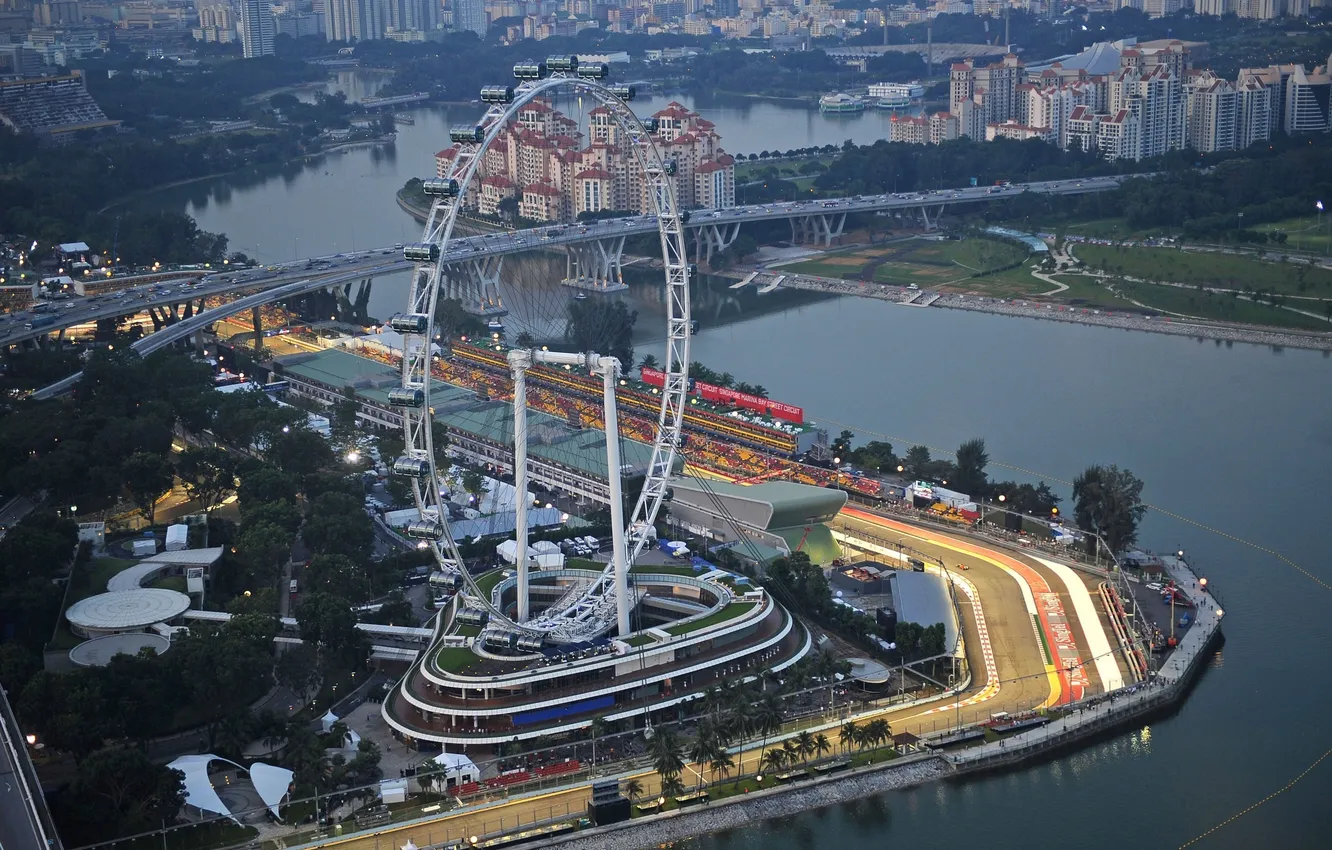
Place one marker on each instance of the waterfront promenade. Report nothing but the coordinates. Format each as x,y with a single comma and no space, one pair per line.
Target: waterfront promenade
1055,312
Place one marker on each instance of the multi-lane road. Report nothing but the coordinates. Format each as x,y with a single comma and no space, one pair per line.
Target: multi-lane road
285,280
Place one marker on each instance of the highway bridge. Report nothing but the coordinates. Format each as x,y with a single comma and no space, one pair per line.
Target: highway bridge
595,247
25,823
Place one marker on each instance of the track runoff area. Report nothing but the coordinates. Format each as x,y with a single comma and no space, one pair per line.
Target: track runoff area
1035,635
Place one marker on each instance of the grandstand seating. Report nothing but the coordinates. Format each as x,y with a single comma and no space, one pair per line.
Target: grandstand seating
50,106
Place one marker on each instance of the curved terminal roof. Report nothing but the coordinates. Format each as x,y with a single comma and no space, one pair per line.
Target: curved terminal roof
125,610
99,651
767,506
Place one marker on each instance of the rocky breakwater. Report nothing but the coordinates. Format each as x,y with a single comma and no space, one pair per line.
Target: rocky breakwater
737,812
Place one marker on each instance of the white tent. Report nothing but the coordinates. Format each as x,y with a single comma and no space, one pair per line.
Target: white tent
544,547
272,784
393,790
326,722
458,767
199,790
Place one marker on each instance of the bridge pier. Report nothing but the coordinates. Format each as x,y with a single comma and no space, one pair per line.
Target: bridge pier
931,223
257,323
595,265
714,237
476,284
816,228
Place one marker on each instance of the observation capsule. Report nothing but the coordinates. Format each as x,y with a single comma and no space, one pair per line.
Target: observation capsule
412,467
625,93
425,529
407,397
530,71
421,252
562,64
410,323
446,188
467,133
595,71
497,94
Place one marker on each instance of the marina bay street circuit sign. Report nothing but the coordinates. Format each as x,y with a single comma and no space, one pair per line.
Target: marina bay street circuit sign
723,395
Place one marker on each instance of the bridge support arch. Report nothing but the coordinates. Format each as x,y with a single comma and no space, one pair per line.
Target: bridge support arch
710,238
817,228
595,265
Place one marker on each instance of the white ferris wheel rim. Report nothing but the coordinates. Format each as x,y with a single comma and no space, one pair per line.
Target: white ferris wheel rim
424,293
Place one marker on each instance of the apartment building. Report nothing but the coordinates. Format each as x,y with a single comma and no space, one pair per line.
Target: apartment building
1213,113
992,91
542,158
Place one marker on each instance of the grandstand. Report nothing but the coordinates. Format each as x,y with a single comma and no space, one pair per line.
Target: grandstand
51,106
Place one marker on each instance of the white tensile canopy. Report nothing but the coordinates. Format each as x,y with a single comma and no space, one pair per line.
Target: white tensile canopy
269,781
272,783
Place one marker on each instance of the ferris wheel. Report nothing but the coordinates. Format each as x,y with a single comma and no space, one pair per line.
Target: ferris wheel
605,603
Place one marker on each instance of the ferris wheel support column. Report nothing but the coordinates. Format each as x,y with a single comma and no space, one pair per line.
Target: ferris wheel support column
519,362
610,371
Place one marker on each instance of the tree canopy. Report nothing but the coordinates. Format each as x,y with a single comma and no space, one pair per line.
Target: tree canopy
1108,500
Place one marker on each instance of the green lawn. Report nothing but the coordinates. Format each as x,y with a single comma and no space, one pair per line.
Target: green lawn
176,583
1212,270
1219,307
924,262
730,612
486,582
94,575
454,659
1308,233
640,640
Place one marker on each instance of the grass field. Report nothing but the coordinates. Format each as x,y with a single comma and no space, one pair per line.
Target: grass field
1213,270
1218,307
1310,233
176,583
454,659
924,262
730,612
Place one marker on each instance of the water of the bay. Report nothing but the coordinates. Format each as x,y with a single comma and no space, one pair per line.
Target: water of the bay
1238,438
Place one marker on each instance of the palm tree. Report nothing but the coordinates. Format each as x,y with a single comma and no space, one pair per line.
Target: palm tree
791,751
632,788
768,716
847,736
705,747
775,759
671,786
804,744
721,762
739,720
665,753
822,746
861,736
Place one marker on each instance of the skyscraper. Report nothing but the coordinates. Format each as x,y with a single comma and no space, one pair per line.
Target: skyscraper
470,15
257,28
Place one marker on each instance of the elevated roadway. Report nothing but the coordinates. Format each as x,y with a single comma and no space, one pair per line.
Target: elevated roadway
812,220
25,823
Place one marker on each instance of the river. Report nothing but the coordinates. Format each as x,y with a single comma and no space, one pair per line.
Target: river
1237,437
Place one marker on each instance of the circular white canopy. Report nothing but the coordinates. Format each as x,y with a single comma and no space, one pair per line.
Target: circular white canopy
124,610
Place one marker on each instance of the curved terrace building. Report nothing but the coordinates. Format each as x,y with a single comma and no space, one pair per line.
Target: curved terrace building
480,686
